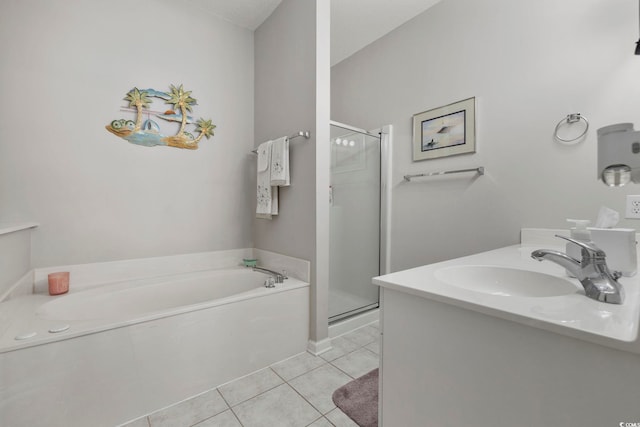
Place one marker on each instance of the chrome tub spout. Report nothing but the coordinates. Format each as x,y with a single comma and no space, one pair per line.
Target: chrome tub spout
278,277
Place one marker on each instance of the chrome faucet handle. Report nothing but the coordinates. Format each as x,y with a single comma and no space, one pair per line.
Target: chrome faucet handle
592,250
284,275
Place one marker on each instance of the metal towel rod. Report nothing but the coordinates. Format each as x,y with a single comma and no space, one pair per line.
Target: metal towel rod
304,133
478,170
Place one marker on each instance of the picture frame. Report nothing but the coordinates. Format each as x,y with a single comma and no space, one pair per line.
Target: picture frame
445,131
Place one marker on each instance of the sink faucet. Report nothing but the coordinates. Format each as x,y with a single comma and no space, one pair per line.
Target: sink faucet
278,277
592,271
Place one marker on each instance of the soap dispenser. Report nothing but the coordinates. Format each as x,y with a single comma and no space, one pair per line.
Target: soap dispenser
581,233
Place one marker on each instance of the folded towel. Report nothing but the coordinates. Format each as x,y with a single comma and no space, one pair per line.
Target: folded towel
280,162
264,155
274,200
267,201
263,191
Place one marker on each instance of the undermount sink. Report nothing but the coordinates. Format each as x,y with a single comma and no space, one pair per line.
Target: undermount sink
505,281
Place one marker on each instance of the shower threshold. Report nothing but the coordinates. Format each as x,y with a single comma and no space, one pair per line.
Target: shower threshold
352,313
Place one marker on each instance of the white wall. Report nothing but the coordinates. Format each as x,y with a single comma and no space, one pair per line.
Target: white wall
15,256
66,65
528,64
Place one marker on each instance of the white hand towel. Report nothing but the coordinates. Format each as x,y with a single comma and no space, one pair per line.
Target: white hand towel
274,200
264,203
280,162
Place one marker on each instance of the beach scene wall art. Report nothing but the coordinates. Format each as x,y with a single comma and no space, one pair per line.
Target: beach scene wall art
444,131
145,130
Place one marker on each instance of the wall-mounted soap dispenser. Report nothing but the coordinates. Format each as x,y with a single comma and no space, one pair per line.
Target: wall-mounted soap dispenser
618,154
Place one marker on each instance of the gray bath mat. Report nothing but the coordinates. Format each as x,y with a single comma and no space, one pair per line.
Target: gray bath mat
359,399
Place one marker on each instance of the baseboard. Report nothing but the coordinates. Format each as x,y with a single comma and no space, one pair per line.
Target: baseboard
352,323
318,347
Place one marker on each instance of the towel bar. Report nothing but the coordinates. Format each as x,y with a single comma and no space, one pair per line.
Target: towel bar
479,171
304,133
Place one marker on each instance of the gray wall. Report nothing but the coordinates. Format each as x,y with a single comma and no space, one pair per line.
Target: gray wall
15,257
286,81
284,104
66,65
528,64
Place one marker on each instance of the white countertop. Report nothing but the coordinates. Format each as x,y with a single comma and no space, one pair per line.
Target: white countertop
572,315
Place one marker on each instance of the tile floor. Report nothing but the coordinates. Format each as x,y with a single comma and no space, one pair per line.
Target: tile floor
293,393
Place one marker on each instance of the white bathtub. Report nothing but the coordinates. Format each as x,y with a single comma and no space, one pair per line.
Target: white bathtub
165,295
136,346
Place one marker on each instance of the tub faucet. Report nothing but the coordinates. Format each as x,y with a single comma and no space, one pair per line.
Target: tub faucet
592,271
278,277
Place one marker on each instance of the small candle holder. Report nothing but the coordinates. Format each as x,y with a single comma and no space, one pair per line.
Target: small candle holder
58,283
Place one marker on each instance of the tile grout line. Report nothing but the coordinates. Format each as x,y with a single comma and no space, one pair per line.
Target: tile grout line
291,387
331,364
277,375
326,362
313,421
304,398
223,398
299,394
256,395
214,415
328,420
359,348
301,373
230,408
322,415
236,416
349,352
320,418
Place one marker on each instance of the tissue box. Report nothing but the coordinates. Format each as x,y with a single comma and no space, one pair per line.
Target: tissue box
620,246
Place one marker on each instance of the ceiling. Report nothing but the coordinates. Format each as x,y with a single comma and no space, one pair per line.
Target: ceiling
358,23
354,23
245,13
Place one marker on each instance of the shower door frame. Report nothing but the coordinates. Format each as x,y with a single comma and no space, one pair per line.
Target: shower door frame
384,134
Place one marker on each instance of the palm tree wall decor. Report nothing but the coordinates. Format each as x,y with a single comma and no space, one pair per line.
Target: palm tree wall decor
147,132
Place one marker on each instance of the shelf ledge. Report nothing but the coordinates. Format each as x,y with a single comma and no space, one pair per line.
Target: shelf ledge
11,227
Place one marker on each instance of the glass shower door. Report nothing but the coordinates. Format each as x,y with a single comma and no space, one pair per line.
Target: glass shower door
354,239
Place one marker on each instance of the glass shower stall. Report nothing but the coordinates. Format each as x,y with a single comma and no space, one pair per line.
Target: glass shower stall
355,221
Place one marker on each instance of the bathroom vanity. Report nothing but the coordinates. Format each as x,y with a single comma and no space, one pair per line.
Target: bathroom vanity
499,339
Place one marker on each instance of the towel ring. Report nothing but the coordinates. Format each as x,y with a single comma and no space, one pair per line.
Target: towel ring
572,118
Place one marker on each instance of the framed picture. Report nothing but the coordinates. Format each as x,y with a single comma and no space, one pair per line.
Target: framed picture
445,131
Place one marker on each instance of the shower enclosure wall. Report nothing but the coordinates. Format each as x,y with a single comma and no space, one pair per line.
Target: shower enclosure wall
355,239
